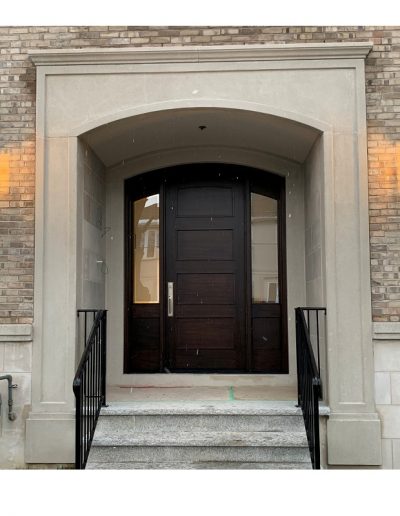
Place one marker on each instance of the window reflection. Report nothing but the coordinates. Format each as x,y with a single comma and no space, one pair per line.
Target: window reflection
146,224
264,249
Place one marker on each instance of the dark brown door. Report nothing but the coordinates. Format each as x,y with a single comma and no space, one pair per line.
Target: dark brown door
205,273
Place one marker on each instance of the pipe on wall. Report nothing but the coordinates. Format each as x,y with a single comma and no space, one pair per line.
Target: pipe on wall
11,415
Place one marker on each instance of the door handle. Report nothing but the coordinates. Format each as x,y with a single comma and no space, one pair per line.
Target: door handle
170,299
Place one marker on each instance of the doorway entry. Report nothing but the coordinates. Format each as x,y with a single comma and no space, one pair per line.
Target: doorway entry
205,282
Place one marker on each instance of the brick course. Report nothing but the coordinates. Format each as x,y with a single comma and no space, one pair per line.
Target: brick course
17,139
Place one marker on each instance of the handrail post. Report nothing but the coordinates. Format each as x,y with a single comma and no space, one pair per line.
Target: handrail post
317,325
104,357
77,387
298,356
316,391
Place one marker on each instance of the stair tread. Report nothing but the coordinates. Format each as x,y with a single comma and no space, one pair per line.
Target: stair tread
201,407
222,464
274,439
233,442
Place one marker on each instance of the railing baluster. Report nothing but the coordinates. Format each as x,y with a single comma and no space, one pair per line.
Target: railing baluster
96,362
104,357
85,341
90,399
90,384
319,363
97,368
85,401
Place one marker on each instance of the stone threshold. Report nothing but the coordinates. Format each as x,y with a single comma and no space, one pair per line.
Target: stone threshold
201,393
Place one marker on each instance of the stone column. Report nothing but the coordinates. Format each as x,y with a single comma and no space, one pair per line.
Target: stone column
354,428
50,425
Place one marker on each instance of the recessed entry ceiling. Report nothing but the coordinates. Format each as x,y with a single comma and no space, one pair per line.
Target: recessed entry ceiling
173,129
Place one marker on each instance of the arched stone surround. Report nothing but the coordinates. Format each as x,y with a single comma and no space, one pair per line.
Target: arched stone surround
320,86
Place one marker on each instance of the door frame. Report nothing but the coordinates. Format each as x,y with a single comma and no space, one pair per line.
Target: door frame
255,180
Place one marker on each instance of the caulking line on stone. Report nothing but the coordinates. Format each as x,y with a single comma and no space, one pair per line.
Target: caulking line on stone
231,394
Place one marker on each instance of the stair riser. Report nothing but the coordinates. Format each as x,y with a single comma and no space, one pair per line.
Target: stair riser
199,465
190,454
122,424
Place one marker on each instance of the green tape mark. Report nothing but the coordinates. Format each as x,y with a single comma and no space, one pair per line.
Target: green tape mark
231,394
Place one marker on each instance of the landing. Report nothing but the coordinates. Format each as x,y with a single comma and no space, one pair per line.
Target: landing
204,407
223,393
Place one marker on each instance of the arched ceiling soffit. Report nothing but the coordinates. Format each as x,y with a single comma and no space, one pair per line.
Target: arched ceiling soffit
160,131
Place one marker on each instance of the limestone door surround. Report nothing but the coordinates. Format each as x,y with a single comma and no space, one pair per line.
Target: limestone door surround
319,86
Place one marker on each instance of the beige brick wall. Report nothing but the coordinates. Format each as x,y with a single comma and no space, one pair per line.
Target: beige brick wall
17,139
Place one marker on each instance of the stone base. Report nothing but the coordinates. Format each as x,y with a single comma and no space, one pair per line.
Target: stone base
353,441
50,438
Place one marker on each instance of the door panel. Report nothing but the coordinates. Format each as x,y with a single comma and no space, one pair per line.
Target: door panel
212,201
199,289
208,244
216,334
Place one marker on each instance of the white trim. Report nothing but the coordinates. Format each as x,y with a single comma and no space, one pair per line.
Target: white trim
386,330
199,54
15,332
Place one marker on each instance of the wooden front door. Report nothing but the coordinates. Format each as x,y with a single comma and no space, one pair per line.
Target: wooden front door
205,271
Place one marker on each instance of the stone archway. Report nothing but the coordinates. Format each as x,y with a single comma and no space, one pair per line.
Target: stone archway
78,89
171,137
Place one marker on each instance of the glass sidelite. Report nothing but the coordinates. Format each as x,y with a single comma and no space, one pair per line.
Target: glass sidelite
146,237
264,249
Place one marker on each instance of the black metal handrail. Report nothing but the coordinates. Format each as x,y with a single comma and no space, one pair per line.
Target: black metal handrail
89,384
309,388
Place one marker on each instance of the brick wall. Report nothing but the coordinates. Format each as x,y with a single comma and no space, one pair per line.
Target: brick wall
17,139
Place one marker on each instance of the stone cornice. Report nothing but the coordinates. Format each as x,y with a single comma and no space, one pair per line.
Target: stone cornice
200,54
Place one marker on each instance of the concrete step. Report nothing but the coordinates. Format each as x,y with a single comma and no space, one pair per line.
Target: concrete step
173,423
234,408
120,424
200,435
154,454
199,465
239,416
275,439
277,447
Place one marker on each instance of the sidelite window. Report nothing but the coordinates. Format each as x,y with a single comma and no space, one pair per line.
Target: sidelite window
266,302
264,249
146,256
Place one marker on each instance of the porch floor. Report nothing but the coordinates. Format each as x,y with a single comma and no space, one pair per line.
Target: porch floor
227,393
